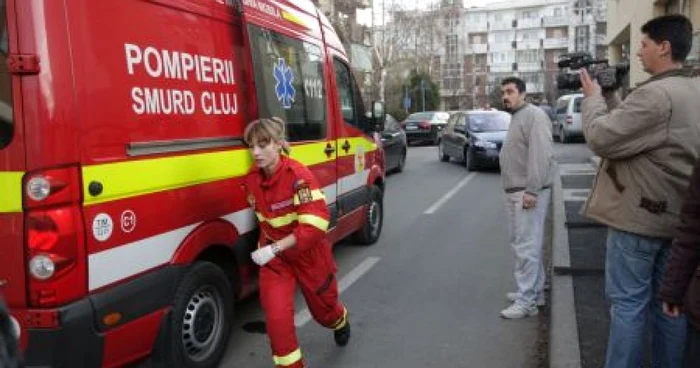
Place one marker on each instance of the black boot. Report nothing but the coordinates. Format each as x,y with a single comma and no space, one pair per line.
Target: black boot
342,335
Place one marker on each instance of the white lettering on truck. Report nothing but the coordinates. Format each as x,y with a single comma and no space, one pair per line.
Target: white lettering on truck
176,65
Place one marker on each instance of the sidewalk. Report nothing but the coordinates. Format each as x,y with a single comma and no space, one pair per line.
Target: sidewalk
580,313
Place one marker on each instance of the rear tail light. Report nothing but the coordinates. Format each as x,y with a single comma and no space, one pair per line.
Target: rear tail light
54,235
569,119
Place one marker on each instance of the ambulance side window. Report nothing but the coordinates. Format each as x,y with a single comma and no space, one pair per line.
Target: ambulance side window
349,100
289,83
6,117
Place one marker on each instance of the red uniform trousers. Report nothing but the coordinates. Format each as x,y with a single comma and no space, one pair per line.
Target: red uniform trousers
314,273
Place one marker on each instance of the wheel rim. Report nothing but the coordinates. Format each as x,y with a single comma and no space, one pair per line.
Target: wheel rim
375,212
202,323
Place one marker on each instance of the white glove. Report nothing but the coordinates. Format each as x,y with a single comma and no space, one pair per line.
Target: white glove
263,255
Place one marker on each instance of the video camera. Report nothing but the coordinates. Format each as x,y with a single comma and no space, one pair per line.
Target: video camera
609,77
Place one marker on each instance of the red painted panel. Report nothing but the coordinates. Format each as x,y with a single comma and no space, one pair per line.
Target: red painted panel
131,341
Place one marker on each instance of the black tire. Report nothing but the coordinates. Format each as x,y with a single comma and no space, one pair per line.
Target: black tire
202,315
374,219
441,155
469,160
402,162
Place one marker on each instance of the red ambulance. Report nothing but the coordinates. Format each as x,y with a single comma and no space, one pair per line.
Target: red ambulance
124,230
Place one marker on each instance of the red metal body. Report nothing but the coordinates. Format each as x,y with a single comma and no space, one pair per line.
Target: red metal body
134,112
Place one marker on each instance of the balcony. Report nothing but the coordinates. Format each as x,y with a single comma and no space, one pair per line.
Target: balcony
501,26
534,87
480,48
556,43
477,27
528,45
501,46
501,68
529,23
600,40
556,21
530,67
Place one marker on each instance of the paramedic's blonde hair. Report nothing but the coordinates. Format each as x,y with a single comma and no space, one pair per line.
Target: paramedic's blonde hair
265,130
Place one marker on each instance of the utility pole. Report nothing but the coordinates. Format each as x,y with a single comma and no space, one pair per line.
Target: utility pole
422,88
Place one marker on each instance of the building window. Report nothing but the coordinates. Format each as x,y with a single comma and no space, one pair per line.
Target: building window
582,38
557,12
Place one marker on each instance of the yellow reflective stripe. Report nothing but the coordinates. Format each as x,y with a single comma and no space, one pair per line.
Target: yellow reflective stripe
343,320
315,221
278,221
137,177
288,359
316,195
133,178
312,153
367,145
11,191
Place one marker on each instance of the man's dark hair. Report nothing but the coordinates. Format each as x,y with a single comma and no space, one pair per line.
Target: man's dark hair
676,29
514,80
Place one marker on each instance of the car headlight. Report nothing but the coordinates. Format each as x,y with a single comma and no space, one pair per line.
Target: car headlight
485,144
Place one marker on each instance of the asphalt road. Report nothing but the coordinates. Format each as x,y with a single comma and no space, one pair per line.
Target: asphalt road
429,292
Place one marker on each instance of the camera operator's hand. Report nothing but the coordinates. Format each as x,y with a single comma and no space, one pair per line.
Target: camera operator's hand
589,86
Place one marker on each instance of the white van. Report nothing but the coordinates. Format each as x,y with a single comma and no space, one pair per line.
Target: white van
568,123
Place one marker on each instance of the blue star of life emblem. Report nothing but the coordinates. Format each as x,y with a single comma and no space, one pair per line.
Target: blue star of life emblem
284,88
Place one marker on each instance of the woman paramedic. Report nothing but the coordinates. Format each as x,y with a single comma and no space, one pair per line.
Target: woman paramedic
292,249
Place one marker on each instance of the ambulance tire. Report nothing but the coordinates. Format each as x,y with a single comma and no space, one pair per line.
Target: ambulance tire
372,228
203,306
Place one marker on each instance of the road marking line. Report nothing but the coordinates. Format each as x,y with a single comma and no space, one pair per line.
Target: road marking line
304,316
436,206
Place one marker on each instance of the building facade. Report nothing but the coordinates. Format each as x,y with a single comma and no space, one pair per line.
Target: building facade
626,17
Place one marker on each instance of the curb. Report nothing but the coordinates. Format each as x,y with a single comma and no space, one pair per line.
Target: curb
564,350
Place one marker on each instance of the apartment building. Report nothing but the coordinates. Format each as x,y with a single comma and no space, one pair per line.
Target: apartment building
526,40
626,17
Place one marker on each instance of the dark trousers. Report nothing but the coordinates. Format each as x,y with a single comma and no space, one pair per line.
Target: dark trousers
692,348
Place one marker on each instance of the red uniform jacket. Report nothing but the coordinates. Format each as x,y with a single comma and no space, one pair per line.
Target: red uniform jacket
290,201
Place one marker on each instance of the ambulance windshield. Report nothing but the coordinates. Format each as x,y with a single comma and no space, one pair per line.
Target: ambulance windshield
6,119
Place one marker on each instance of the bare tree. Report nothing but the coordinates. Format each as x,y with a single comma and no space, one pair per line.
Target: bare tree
391,38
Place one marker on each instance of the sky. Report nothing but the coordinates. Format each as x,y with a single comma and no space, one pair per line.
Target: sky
365,16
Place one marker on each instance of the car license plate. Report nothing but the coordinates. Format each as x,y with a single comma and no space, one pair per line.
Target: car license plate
411,127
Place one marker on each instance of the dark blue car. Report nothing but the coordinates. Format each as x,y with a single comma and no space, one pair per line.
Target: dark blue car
474,137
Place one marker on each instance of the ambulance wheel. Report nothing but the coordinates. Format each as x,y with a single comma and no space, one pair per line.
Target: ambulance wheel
201,317
372,228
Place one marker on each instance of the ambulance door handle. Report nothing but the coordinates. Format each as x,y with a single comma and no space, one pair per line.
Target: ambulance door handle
346,146
329,150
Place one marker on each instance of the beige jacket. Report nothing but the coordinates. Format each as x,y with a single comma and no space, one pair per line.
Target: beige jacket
648,144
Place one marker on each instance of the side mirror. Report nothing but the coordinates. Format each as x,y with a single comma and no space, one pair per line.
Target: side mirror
378,116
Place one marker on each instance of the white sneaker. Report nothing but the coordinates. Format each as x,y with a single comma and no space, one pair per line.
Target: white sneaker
516,311
541,300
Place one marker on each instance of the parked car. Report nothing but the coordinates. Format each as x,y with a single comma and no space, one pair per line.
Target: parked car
568,124
474,137
394,144
425,126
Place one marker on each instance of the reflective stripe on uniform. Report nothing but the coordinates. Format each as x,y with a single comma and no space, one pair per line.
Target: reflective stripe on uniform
315,221
316,195
343,320
280,221
11,191
288,359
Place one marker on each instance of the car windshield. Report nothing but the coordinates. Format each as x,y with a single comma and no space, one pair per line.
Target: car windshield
489,122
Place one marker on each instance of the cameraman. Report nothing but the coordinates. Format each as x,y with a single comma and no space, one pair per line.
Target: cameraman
648,145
